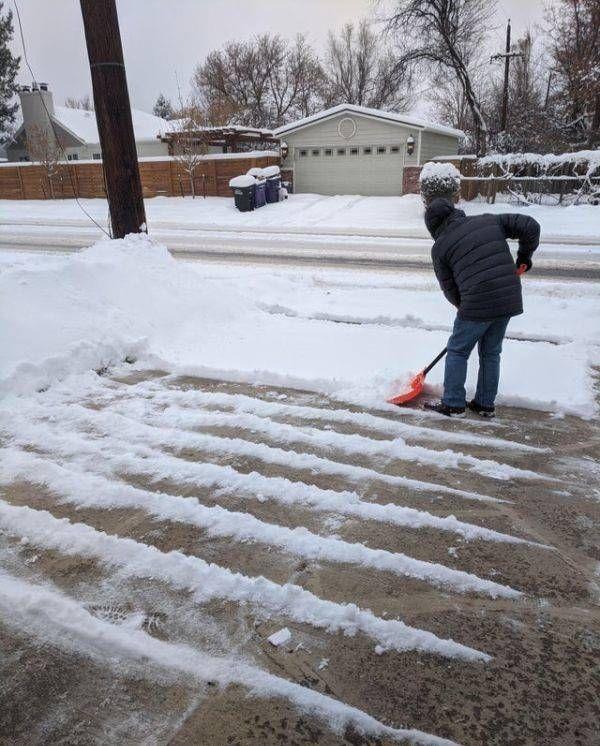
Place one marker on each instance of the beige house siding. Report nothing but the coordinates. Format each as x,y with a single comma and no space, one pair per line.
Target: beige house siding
434,144
369,160
369,131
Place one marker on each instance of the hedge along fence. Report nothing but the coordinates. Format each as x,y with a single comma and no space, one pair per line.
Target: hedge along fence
568,178
164,176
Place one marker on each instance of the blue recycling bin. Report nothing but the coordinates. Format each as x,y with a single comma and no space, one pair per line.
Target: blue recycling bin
273,177
260,193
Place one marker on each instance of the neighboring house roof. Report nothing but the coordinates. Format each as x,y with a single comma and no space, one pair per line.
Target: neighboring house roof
82,124
390,116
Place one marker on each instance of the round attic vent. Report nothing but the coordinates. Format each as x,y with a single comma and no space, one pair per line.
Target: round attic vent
347,128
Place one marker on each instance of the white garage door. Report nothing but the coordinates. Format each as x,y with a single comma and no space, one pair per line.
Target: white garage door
365,169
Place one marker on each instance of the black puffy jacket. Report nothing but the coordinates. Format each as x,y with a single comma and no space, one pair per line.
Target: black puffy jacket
472,260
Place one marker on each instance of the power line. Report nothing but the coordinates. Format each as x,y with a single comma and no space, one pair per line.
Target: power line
52,125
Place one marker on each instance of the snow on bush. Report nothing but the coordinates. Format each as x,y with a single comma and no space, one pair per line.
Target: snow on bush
439,180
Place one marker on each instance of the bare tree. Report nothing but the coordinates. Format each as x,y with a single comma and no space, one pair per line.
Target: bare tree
44,149
295,76
263,82
574,44
528,128
190,144
445,34
360,70
79,103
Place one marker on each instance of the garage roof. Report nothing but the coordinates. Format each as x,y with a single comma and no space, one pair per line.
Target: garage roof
391,116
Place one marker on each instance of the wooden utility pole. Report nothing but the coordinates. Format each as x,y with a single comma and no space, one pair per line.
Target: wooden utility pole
504,120
113,115
506,57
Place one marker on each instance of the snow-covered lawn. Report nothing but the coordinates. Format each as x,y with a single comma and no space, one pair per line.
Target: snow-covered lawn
385,216
351,335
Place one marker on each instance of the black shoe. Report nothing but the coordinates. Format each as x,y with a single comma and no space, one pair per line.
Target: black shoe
444,409
489,412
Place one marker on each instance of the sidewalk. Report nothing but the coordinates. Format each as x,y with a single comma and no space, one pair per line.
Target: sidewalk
159,441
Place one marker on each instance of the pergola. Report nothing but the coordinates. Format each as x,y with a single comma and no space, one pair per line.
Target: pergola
231,139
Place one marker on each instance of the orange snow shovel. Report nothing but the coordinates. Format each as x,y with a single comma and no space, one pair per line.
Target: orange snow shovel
416,383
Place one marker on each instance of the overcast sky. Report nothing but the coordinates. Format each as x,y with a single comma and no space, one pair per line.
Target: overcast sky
162,38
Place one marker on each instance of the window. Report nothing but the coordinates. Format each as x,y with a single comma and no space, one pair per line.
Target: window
395,149
381,150
97,156
24,158
353,151
73,157
367,151
328,151
303,153
341,151
316,151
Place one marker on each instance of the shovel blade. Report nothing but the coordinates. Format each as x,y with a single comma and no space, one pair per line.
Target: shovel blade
412,390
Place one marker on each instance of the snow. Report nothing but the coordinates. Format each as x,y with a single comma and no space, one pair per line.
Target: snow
346,335
280,637
439,171
392,116
207,581
82,124
86,487
348,215
245,180
54,617
269,171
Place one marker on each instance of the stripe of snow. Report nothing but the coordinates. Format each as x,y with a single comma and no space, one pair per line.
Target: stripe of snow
264,408
60,620
87,490
350,444
78,417
208,581
280,489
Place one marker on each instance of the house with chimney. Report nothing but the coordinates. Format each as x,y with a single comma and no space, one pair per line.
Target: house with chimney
75,129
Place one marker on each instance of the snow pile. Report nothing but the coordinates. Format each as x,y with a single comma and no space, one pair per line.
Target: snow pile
344,335
113,301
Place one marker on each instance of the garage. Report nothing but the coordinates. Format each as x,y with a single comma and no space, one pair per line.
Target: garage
351,149
366,169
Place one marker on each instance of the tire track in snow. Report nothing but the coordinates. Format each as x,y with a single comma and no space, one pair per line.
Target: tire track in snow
85,489
208,581
56,618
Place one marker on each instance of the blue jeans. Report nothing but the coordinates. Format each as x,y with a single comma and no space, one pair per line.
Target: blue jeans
488,336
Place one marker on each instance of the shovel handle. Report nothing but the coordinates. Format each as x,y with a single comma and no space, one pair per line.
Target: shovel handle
521,269
435,361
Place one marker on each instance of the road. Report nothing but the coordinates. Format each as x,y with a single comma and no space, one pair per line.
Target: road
554,260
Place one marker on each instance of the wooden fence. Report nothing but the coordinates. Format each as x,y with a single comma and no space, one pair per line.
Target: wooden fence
526,180
165,178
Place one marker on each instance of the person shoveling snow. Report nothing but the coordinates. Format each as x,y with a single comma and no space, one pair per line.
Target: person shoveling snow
477,274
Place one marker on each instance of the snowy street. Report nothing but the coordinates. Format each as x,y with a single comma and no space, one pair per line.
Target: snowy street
307,229
205,497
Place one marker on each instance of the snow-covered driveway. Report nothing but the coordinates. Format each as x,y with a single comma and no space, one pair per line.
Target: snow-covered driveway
205,496
161,529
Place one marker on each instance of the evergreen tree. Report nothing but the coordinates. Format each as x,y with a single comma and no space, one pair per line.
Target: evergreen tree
162,107
9,67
